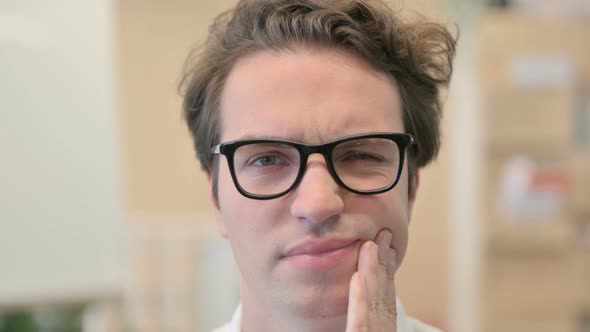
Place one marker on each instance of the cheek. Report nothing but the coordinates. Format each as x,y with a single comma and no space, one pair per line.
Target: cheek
399,198
397,218
238,216
400,243
246,221
234,208
231,202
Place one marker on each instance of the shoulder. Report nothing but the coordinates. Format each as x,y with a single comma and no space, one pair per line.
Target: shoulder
405,323
234,324
415,325
224,328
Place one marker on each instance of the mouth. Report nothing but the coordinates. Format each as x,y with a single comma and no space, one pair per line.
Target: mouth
318,247
321,254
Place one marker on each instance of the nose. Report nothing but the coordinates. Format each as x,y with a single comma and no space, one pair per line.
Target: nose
317,197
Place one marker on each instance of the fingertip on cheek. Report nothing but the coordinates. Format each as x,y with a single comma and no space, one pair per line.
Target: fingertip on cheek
369,247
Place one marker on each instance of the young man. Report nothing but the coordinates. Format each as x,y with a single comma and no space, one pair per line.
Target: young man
311,118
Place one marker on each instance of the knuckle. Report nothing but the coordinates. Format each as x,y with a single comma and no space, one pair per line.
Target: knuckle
390,276
374,307
391,310
383,306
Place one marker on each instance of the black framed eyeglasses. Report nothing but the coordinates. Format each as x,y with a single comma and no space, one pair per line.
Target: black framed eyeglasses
363,164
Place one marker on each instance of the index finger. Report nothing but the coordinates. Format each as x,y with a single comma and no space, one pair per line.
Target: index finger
357,317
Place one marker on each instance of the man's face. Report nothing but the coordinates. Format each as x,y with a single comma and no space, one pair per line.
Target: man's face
312,97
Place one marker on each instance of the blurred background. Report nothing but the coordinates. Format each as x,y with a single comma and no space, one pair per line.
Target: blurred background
105,222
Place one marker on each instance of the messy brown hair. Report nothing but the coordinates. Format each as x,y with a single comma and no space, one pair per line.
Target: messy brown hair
417,54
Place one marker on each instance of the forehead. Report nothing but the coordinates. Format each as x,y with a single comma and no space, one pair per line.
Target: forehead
307,95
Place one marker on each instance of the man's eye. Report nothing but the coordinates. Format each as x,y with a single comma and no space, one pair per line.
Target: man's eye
267,160
361,156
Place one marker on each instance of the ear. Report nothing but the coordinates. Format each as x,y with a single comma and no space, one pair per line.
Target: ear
221,229
414,182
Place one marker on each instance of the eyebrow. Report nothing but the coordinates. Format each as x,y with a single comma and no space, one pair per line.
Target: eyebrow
270,137
299,141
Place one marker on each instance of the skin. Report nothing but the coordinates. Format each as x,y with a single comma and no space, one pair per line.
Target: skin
313,96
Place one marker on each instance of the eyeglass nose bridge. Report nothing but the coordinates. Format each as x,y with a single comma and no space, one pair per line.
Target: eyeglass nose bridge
326,151
323,149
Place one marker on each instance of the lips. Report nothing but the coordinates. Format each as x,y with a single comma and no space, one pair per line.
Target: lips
318,247
315,255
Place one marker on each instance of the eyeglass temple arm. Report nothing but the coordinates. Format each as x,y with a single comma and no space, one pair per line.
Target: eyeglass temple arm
216,149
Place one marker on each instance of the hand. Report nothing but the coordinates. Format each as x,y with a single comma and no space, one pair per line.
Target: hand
371,299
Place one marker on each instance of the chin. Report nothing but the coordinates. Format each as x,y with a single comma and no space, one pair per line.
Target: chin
320,301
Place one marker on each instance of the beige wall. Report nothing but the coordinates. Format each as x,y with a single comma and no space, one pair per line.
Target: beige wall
161,174
423,280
